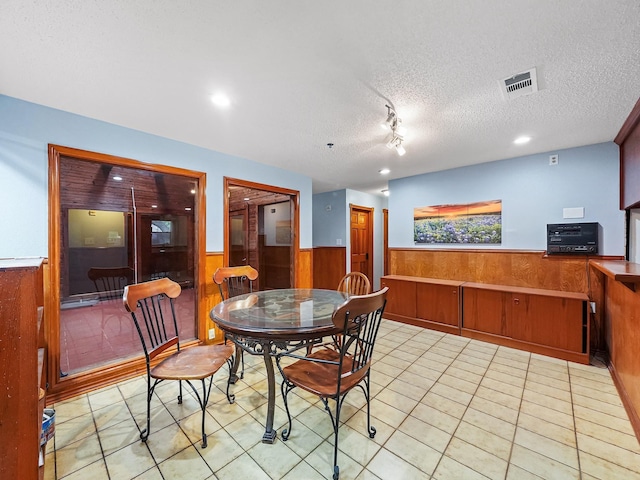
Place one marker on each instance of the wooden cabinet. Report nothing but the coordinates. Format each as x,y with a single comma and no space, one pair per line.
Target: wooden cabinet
428,302
22,367
548,322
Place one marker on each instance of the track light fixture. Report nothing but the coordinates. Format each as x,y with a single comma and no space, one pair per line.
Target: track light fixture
397,131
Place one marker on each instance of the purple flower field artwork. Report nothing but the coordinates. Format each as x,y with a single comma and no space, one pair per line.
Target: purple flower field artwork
472,223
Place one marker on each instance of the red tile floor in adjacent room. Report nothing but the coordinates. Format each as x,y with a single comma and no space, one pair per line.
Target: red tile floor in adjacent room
94,334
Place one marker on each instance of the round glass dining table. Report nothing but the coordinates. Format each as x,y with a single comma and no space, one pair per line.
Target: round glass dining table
263,323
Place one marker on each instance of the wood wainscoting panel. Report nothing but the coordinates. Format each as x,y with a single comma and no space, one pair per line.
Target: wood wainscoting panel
304,268
329,266
517,268
211,296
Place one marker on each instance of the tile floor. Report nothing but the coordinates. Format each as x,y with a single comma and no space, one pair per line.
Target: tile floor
445,407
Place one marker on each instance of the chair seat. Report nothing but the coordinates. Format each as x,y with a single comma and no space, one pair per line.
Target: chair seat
320,378
193,363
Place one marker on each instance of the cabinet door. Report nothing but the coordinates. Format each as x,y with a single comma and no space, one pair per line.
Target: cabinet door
551,321
486,311
401,298
438,303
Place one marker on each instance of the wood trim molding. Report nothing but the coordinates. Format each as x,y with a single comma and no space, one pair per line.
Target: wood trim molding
92,379
628,139
632,121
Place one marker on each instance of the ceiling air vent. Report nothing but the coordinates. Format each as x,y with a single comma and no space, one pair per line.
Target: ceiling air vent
520,84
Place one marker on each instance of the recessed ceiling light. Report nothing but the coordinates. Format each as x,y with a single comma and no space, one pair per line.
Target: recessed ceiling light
188,209
384,171
522,140
193,190
154,206
385,192
117,178
220,100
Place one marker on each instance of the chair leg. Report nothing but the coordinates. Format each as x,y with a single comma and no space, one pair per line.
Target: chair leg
203,401
203,404
144,434
285,388
230,397
336,425
370,430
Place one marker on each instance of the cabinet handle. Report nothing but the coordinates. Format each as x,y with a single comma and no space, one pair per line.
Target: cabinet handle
454,292
516,301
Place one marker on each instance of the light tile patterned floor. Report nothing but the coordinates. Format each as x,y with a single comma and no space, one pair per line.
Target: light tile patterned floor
445,407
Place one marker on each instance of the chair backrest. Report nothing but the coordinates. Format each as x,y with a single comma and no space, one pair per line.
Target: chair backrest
355,283
359,319
151,307
110,281
234,281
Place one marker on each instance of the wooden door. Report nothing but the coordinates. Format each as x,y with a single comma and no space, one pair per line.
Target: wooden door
362,240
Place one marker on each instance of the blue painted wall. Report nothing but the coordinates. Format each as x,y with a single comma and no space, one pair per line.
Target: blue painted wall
26,129
533,194
329,213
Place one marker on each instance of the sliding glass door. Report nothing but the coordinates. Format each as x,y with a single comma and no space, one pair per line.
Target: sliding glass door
118,225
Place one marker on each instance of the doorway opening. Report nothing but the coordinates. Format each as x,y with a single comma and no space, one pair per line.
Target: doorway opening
261,230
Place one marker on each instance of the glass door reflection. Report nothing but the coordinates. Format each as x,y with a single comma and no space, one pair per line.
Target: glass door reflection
102,251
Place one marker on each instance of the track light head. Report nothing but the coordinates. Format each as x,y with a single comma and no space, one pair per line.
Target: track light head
397,131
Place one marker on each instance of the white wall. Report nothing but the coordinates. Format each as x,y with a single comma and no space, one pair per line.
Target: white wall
281,213
26,129
533,194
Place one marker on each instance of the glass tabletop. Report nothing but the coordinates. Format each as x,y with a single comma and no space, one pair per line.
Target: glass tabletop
279,311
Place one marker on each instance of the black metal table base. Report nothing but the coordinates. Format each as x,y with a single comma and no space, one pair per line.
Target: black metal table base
267,349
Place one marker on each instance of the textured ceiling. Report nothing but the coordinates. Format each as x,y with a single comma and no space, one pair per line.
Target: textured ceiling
305,73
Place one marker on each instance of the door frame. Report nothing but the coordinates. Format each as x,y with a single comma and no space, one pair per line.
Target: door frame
369,212
295,234
88,380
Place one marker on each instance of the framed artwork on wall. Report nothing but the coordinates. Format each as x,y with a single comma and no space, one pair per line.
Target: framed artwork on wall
471,223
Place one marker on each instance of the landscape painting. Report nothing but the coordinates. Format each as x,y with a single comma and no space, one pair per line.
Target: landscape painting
471,223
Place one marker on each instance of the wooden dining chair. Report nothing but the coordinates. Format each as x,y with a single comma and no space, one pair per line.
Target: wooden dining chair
332,371
355,283
152,309
234,281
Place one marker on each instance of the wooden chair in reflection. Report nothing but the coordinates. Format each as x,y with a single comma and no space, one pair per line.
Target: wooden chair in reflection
152,309
234,281
333,370
109,282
